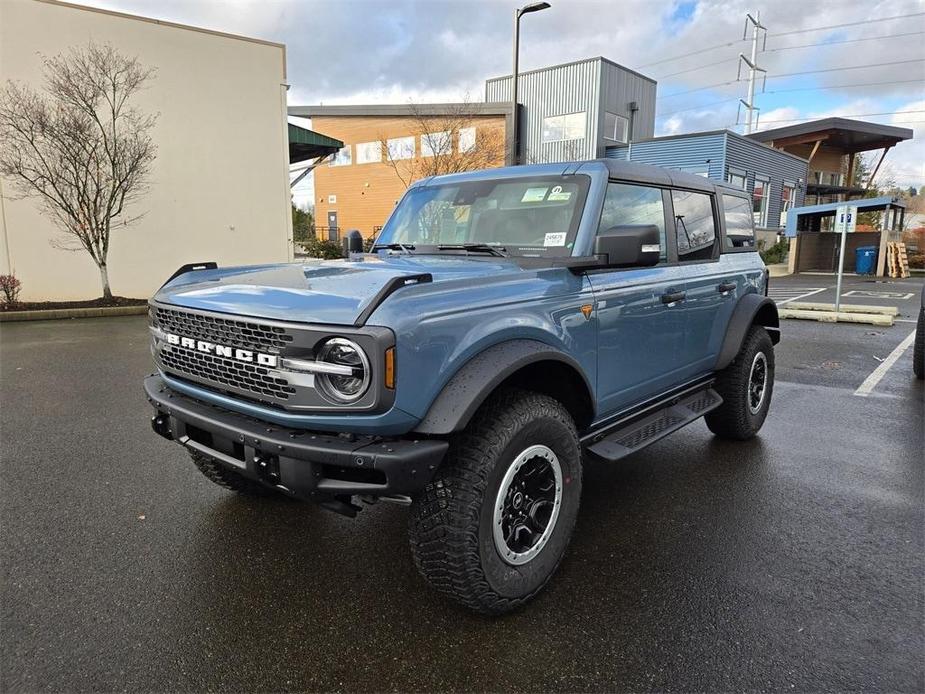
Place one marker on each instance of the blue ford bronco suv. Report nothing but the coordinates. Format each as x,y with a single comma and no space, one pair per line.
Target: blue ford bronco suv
508,324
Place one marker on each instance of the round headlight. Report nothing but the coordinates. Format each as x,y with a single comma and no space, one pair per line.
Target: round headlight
348,377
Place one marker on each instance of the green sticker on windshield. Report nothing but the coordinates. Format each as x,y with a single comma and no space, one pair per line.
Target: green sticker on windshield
534,195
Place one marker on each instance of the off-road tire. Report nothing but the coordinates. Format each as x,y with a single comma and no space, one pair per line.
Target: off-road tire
734,418
227,478
451,524
918,350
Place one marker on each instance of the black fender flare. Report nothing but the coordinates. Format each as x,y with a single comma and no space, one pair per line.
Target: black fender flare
751,309
475,380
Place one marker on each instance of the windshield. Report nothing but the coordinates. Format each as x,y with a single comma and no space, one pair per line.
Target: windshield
535,216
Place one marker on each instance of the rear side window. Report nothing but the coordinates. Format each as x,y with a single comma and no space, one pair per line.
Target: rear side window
629,205
740,232
694,225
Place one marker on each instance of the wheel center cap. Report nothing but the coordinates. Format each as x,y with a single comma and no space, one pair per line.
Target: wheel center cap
518,500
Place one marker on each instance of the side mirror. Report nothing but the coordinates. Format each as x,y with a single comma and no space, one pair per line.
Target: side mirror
629,245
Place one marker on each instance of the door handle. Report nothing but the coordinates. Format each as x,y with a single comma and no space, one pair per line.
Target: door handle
673,297
726,287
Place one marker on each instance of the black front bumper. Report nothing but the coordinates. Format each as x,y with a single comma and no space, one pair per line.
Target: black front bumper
305,464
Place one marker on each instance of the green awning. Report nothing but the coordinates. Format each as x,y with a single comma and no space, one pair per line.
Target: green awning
307,144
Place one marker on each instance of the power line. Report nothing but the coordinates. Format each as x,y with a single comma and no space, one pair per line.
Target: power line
687,55
700,89
835,43
783,33
850,67
848,24
693,108
849,115
785,91
693,69
841,86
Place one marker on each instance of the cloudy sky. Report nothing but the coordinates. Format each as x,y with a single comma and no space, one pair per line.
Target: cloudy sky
381,51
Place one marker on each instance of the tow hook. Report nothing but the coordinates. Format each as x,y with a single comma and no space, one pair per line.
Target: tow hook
267,467
161,425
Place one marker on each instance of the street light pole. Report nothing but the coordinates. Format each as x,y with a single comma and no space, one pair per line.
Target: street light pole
515,125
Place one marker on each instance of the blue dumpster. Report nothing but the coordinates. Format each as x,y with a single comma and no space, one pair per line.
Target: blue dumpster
865,260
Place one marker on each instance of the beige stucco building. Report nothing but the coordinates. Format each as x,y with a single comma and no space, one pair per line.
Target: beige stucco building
220,184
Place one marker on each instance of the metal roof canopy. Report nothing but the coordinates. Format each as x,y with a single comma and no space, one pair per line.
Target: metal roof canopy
842,133
307,144
830,210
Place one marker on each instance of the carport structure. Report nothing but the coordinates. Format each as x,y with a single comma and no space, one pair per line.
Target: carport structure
813,247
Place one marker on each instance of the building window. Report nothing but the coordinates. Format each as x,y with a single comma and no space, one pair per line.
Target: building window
737,179
400,148
788,196
626,204
466,139
616,127
760,196
694,224
696,169
433,144
740,232
342,157
369,152
569,126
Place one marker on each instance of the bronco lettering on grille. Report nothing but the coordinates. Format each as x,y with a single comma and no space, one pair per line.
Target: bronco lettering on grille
223,350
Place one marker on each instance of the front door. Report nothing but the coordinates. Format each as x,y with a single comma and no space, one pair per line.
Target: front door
332,226
641,331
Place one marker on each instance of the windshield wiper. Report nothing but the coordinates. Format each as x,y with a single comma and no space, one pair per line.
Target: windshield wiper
498,251
403,247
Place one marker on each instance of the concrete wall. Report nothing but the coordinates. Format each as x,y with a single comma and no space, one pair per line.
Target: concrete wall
220,185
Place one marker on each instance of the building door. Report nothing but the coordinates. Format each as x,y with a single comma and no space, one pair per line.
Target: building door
332,226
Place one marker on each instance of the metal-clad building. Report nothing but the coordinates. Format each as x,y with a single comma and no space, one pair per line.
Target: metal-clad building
776,179
576,110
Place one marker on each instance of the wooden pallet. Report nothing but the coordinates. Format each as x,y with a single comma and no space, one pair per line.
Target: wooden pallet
897,259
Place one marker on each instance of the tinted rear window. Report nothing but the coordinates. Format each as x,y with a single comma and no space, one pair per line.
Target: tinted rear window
740,232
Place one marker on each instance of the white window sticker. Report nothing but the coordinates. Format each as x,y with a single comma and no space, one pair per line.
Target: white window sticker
558,194
555,239
534,195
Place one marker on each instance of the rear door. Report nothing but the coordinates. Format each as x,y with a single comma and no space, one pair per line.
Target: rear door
641,332
710,287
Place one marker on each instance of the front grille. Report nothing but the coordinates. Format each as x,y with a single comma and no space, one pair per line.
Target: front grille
231,332
229,372
269,339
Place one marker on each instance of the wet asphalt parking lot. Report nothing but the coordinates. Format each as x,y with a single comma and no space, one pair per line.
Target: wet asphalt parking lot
793,562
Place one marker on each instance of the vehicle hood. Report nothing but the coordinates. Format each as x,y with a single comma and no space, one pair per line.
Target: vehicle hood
335,292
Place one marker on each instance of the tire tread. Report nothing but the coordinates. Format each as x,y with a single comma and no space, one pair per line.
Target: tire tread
444,522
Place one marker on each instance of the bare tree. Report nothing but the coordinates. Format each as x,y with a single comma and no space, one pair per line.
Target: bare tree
79,147
455,139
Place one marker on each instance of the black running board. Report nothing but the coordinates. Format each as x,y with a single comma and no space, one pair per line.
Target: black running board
638,432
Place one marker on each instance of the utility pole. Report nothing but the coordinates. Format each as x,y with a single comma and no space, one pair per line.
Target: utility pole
753,68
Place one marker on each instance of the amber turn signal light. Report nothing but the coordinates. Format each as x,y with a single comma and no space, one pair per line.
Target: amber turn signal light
390,368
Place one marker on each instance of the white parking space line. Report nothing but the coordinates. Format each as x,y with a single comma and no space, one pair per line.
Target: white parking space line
784,295
867,387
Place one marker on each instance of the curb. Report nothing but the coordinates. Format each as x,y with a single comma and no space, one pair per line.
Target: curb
65,313
840,317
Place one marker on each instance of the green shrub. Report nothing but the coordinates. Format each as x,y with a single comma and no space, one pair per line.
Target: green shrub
776,253
322,248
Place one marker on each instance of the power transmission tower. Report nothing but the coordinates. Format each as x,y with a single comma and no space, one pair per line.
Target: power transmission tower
753,68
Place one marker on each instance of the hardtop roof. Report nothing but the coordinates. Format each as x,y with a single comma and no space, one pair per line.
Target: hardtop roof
631,172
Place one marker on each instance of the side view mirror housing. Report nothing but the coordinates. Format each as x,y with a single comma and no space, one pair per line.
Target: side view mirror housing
629,245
